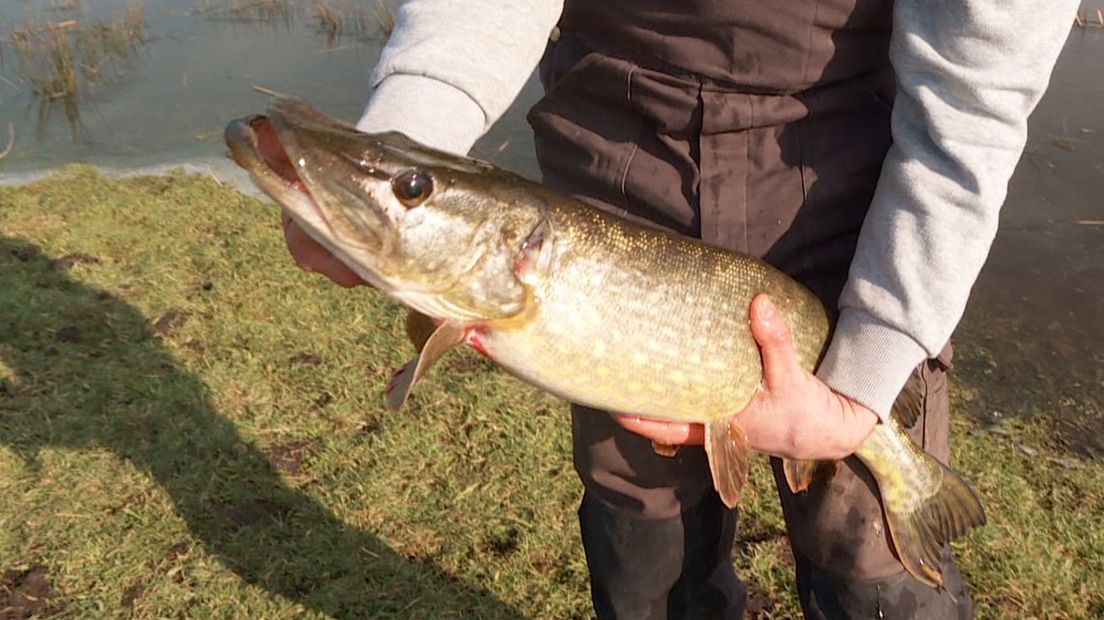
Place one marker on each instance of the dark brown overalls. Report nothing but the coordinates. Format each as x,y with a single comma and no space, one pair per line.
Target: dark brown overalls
760,127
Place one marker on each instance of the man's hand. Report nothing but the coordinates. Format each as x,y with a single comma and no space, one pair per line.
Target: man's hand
312,257
795,415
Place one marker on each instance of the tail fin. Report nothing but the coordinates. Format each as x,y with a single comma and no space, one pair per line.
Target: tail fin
920,533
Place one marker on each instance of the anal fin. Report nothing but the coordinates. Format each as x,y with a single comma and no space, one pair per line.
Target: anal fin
800,475
446,336
727,449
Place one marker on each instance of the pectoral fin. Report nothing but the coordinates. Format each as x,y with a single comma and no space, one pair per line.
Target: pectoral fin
419,328
727,450
801,474
446,336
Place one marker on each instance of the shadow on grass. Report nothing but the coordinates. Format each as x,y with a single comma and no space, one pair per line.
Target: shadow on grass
91,373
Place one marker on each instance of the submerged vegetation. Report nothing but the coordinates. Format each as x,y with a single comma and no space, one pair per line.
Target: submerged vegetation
1083,20
11,141
61,57
61,61
247,11
332,19
335,20
385,17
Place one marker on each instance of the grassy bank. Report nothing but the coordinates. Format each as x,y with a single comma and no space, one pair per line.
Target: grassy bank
191,427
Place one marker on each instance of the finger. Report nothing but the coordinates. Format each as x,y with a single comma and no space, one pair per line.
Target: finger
661,432
776,346
312,256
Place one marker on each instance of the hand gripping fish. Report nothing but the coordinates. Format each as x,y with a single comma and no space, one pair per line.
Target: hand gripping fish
594,309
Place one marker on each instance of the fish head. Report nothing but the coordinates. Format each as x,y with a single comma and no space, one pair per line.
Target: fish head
438,232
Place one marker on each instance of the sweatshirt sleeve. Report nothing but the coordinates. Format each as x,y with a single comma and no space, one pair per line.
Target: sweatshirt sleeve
452,67
968,74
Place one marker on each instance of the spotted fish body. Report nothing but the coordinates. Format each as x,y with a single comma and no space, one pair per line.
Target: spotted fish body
589,307
626,318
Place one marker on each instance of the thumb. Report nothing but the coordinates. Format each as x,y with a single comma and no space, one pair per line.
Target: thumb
771,333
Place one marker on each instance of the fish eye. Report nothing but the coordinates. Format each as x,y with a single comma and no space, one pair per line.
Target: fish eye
412,187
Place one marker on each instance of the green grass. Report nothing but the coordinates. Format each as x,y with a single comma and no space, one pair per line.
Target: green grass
191,427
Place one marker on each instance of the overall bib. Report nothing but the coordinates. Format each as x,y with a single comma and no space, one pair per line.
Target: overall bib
760,128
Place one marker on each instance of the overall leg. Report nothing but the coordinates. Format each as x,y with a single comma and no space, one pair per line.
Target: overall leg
845,566
658,540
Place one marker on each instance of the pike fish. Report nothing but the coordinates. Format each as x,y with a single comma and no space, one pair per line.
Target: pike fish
589,307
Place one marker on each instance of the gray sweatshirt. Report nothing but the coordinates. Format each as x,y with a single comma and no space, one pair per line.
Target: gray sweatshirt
969,73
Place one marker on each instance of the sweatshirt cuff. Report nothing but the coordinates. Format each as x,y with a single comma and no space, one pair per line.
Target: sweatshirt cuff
869,361
427,110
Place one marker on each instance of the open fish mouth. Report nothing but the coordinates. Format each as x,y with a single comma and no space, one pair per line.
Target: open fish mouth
268,148
255,146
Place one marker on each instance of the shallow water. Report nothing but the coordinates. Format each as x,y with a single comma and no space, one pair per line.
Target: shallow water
180,89
190,77
1031,341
